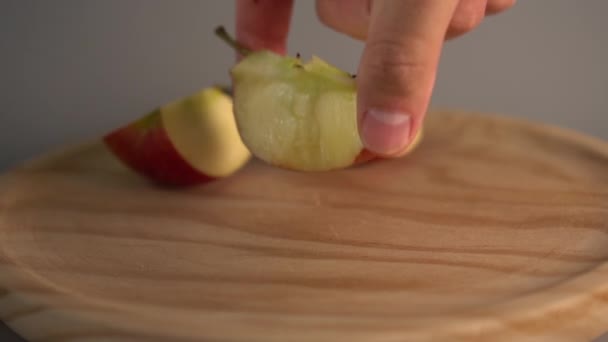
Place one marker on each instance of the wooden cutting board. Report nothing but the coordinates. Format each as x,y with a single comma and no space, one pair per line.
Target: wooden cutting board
492,230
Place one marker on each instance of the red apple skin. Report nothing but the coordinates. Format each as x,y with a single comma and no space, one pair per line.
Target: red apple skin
364,157
144,147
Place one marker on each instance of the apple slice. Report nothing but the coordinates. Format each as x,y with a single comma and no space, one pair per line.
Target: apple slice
296,115
187,142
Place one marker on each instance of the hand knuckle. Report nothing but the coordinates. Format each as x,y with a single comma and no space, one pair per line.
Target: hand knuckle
464,24
496,6
324,13
396,63
392,57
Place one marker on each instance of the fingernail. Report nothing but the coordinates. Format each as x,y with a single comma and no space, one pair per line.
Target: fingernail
385,133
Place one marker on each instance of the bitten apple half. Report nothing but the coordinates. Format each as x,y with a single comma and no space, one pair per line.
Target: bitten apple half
187,142
296,115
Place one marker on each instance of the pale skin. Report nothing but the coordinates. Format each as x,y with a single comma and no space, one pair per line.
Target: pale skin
397,70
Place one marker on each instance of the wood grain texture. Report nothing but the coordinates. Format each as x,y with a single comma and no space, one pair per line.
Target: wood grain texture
492,230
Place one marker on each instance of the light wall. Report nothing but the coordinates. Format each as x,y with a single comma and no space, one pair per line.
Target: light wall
74,69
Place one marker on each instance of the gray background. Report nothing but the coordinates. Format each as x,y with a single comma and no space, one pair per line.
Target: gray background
74,69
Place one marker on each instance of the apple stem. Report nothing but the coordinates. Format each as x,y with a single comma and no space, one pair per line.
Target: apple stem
221,32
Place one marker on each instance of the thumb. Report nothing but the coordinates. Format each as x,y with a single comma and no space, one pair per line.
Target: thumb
397,70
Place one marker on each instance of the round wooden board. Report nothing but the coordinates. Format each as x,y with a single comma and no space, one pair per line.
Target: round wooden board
493,229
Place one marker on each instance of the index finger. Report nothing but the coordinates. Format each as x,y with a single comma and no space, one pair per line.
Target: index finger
263,24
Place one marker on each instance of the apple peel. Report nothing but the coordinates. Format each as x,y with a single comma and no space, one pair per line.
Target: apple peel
190,141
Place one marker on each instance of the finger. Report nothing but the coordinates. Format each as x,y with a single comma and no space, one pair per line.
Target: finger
497,6
397,70
263,24
468,15
350,17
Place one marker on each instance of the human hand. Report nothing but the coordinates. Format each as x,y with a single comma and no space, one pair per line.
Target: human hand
397,70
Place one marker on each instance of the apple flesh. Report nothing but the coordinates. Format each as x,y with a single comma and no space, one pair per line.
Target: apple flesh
184,143
295,115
